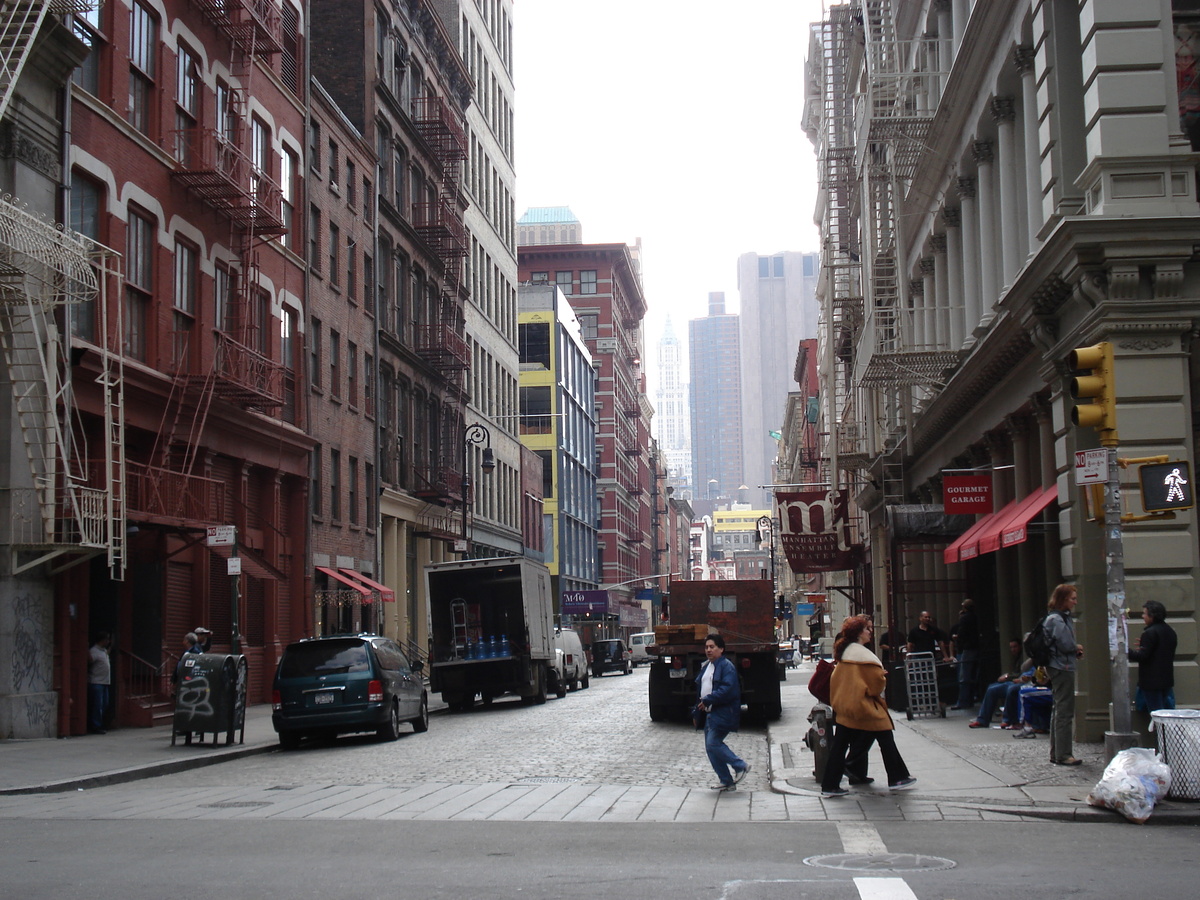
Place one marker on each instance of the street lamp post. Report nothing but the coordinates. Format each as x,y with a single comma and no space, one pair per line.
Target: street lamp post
473,435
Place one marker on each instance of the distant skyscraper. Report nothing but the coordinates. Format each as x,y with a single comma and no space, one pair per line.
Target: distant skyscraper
716,401
672,422
548,225
778,310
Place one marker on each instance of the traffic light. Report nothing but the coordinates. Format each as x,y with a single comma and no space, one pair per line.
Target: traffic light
1099,387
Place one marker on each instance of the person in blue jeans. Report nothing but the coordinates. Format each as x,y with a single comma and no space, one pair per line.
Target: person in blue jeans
720,699
1003,692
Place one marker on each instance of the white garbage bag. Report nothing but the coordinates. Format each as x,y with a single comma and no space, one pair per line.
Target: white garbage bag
1133,782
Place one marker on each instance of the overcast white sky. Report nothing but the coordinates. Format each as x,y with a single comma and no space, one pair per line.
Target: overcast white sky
676,121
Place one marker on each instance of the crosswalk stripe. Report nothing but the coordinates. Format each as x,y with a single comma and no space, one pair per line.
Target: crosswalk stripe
860,837
884,889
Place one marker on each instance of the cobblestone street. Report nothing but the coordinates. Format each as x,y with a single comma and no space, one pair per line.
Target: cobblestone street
600,735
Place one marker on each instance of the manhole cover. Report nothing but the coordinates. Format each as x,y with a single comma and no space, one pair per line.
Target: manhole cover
881,862
235,804
547,780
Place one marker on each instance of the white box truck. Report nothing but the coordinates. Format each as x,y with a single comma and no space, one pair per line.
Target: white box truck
492,630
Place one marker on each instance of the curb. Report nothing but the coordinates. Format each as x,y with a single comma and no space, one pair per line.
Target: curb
137,773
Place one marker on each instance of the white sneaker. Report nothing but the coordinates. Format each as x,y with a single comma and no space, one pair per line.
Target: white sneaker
739,775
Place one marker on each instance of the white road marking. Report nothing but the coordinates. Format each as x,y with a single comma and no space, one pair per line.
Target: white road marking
884,889
860,837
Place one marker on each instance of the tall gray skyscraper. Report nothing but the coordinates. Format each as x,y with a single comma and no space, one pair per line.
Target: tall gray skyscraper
672,421
778,310
716,400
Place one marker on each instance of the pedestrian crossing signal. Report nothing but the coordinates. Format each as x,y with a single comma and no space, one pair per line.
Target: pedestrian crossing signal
1166,486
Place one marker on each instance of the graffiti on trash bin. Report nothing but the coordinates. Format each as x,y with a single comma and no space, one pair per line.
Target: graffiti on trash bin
194,698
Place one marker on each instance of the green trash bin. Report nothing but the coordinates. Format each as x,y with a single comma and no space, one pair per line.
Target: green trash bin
210,697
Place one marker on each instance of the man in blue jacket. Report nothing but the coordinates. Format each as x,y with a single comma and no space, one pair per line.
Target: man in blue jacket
721,703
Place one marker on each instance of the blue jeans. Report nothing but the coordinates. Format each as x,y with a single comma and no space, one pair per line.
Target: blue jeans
999,692
720,756
968,674
97,706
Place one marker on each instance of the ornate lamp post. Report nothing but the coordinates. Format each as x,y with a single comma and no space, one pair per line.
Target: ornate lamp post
474,435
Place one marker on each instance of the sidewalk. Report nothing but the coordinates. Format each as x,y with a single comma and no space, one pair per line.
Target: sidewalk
976,770
973,768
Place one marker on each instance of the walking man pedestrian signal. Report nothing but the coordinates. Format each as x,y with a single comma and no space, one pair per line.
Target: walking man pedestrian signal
1167,486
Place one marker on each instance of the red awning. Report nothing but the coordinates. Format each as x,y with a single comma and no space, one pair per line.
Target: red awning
1016,529
385,593
334,573
953,553
988,540
973,547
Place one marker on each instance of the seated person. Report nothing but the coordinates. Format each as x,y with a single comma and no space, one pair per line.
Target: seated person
1003,690
1034,702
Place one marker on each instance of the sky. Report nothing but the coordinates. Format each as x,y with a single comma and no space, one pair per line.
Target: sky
676,121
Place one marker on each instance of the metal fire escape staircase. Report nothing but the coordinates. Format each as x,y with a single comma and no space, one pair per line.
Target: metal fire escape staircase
20,22
442,342
71,508
895,113
215,168
842,44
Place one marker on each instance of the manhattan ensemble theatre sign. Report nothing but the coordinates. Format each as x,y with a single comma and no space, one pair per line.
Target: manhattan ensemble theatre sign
966,494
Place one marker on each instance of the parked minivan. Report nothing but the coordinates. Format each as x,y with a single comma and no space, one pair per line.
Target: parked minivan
346,683
570,661
638,644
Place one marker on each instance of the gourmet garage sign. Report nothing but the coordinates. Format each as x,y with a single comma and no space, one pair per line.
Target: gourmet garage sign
968,494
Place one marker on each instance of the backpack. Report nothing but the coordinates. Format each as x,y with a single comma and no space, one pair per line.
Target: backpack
1038,645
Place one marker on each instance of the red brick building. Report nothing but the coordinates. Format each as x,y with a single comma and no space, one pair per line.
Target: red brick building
604,287
187,127
341,345
397,76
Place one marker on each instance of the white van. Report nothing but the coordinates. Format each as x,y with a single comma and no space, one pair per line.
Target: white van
638,644
570,661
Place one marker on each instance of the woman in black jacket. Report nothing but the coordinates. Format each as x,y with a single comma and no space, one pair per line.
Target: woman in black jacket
1155,656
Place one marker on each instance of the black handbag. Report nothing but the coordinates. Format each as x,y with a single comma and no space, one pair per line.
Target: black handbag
699,717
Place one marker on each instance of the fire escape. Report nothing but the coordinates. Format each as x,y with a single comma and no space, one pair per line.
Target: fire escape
441,342
215,168
71,507
881,94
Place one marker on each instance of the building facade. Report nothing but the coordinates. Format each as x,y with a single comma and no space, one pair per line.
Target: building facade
716,406
187,136
59,505
605,292
395,72
482,33
1032,190
672,419
549,225
778,309
558,423
342,375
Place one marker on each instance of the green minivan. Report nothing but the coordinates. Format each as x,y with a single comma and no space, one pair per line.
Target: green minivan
346,683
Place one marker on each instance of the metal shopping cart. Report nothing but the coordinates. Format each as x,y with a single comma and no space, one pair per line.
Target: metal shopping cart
920,676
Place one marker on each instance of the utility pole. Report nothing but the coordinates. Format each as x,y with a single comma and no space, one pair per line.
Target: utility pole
1099,387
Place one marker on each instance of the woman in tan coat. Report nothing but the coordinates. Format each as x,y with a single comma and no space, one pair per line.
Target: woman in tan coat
856,695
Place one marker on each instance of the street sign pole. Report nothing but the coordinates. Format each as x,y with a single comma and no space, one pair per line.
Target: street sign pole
1121,737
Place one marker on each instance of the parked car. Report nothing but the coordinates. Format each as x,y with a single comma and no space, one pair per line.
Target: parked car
570,665
611,656
637,646
346,683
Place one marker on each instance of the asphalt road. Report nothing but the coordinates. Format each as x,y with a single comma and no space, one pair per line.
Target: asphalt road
426,816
